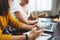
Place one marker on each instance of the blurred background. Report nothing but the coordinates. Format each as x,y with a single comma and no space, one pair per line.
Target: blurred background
52,7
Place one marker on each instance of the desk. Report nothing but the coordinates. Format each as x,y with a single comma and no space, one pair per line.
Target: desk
56,19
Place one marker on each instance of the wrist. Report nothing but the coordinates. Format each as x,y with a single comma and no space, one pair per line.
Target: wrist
26,36
30,37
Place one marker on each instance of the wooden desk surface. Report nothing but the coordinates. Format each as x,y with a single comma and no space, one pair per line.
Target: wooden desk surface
56,19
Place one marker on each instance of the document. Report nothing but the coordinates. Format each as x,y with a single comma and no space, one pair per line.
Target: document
44,36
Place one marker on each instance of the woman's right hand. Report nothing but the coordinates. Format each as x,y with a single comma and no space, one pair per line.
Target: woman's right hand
34,34
43,14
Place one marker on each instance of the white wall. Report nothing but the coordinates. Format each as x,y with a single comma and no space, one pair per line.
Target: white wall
41,5
55,7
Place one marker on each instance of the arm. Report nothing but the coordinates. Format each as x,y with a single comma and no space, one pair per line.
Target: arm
32,17
17,24
19,37
10,37
32,35
21,18
43,14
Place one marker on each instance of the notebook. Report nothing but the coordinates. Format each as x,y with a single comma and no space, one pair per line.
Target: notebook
46,24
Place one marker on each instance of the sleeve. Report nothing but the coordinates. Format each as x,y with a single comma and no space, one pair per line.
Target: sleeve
5,36
14,22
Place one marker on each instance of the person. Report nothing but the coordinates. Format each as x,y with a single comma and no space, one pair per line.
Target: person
7,19
22,13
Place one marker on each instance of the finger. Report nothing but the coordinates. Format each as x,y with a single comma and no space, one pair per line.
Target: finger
34,29
37,26
40,31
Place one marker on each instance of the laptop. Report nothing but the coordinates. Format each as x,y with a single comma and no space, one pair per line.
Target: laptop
46,24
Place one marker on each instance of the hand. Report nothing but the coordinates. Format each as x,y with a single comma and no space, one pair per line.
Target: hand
34,34
36,20
36,26
43,14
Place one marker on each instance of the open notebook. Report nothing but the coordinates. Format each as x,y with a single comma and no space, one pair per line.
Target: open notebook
46,24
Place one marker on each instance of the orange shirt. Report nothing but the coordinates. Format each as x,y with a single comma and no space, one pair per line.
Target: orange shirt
4,21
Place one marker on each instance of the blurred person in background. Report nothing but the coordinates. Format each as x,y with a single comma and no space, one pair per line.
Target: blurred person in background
20,10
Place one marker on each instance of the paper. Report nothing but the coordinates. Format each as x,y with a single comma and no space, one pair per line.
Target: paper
44,37
44,22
